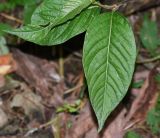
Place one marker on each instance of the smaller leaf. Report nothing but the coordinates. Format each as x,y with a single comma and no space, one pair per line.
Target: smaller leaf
138,84
50,35
132,134
149,34
157,78
3,48
153,118
58,11
7,6
71,108
4,27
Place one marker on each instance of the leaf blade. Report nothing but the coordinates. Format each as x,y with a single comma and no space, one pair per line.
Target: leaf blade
149,35
51,35
3,48
104,61
58,11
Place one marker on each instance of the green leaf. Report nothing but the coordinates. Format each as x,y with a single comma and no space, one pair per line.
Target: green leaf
50,35
137,84
149,35
4,27
58,11
132,134
157,78
108,59
3,48
153,118
71,108
7,6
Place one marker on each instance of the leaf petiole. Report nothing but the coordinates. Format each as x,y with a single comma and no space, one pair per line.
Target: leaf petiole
113,7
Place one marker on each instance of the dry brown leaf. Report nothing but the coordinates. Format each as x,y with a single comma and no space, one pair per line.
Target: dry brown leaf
28,101
144,102
7,64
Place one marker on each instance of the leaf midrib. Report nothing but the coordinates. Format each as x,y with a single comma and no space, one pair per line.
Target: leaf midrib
107,64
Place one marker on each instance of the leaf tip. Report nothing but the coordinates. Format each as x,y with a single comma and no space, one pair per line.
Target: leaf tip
100,125
99,129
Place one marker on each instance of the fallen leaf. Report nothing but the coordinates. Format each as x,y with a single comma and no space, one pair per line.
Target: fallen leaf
4,69
28,101
145,100
3,118
7,64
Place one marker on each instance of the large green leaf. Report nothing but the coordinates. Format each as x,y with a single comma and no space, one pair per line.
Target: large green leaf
108,59
58,11
50,35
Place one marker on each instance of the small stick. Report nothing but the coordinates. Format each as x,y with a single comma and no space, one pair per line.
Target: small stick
47,124
113,7
11,18
73,89
149,60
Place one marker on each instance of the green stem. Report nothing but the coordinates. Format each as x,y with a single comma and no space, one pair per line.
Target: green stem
149,60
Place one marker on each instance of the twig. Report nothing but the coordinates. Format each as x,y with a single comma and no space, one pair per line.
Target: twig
149,60
107,7
61,62
74,88
30,132
113,7
11,18
131,124
47,124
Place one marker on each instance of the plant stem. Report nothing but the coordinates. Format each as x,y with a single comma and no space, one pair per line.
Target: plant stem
149,60
108,7
74,88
